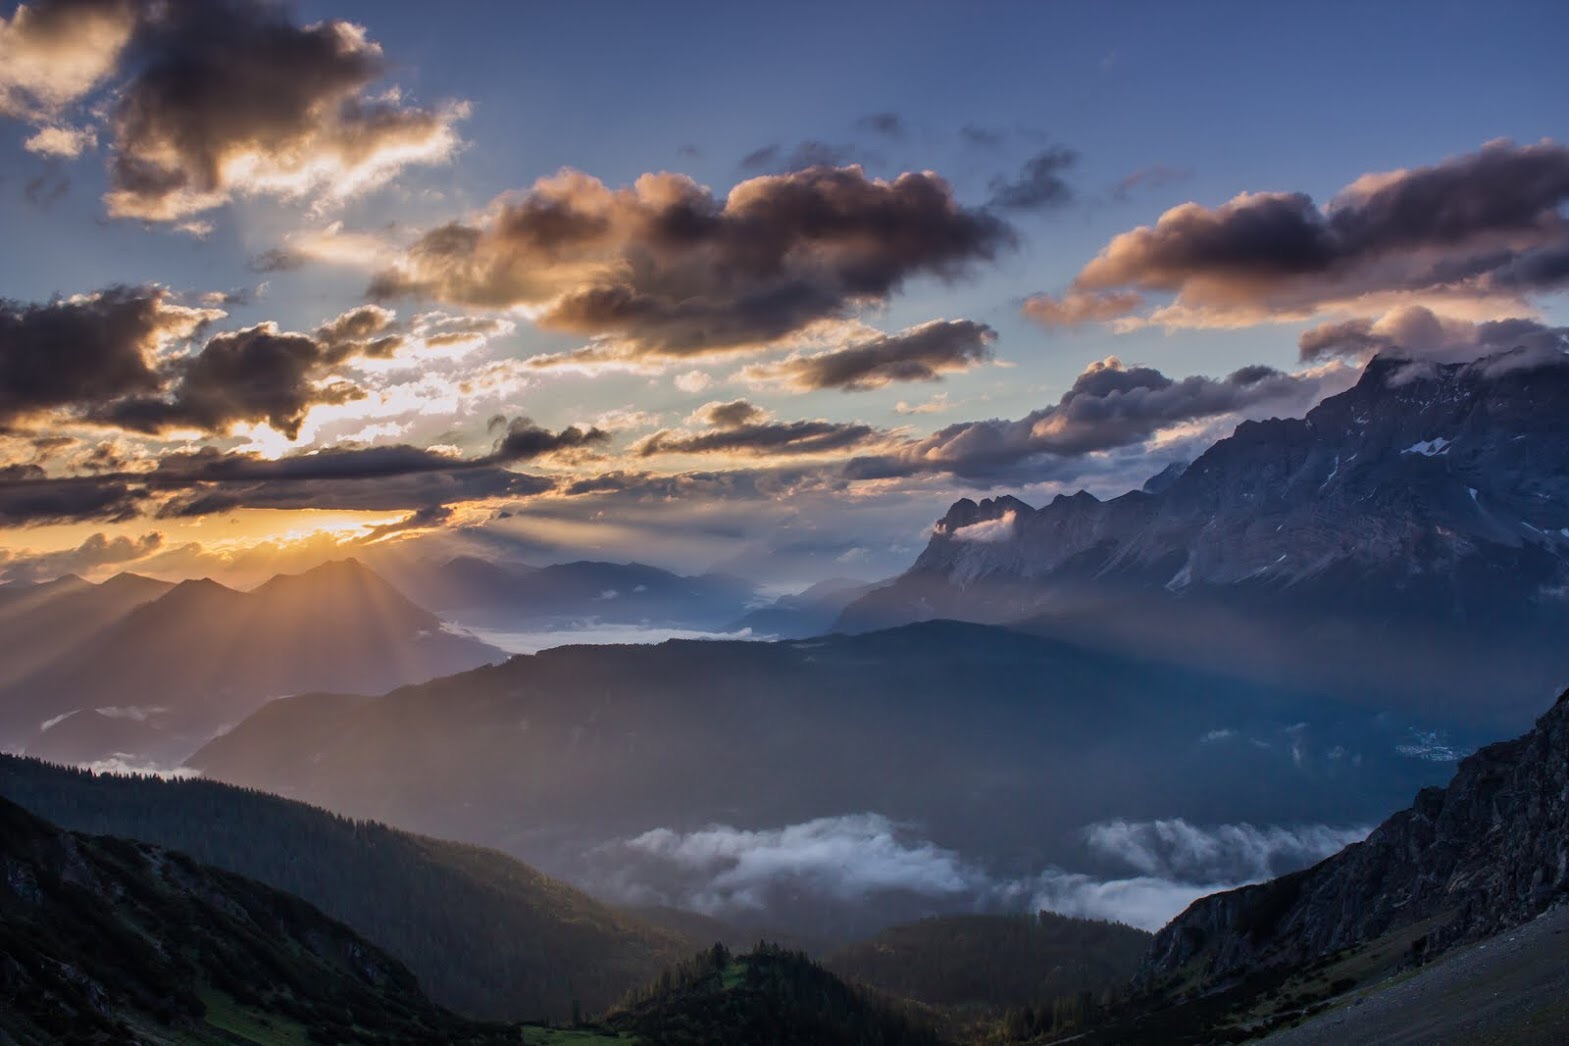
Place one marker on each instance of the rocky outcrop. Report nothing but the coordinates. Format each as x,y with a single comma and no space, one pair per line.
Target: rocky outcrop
1487,853
1440,490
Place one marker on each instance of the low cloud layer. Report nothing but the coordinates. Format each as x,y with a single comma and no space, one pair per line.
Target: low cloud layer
723,870
665,268
1419,333
1485,227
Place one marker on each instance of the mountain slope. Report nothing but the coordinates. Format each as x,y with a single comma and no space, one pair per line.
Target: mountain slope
1486,853
108,940
484,934
40,622
202,655
501,595
988,963
1425,497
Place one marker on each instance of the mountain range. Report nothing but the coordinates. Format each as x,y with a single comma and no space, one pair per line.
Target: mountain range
1388,542
153,669
495,594
556,756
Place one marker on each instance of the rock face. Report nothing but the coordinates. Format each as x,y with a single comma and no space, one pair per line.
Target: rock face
1437,490
1487,853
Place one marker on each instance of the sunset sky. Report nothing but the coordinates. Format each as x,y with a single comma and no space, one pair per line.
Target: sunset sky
756,288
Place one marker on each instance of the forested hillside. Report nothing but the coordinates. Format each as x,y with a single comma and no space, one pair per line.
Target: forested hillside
485,935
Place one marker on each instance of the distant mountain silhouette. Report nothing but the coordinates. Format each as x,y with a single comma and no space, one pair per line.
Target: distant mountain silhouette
201,655
811,612
39,622
511,595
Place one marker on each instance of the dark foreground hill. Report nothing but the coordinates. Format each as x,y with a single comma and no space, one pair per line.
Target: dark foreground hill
110,941
1486,853
768,995
484,934
1461,879
985,964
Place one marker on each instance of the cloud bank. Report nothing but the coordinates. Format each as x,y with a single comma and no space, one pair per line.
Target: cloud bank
725,870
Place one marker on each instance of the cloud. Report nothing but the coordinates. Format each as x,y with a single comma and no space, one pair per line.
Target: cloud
922,353
987,531
1039,185
52,52
1110,405
259,374
522,440
776,159
206,481
61,142
693,381
1485,228
98,550
1156,177
723,870
216,99
1419,333
1080,307
1176,849
739,428
889,125
666,269
88,350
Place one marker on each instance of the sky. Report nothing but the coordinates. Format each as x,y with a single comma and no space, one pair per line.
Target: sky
713,286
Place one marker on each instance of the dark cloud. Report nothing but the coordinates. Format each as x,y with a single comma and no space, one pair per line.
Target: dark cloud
207,481
923,353
374,478
85,351
1486,224
1420,334
740,428
522,440
984,137
254,375
1039,185
777,159
260,374
29,496
218,97
45,190
1109,406
666,269
889,125
730,415
1157,177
